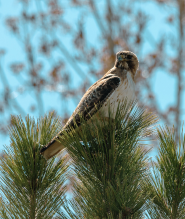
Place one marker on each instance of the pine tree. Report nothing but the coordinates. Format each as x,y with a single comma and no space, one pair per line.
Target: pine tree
31,187
111,165
167,199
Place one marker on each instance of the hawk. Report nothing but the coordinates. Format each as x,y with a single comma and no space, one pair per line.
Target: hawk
104,95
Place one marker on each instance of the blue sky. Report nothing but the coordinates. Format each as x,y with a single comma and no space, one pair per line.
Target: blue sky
163,85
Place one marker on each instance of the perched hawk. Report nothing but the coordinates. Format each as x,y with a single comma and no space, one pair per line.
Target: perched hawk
113,87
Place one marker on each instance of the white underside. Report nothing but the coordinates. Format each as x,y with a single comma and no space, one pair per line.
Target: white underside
125,91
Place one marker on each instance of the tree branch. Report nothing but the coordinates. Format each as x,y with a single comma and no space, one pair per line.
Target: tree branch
6,85
97,17
179,70
72,62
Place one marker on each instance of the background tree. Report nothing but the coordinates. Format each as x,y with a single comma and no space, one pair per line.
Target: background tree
65,46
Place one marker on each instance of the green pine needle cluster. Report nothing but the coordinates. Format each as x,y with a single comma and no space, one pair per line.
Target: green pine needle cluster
111,164
168,178
30,186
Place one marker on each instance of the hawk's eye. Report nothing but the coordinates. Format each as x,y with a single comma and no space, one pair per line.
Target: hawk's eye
129,57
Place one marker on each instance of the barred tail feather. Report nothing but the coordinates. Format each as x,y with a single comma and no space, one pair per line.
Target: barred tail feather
51,149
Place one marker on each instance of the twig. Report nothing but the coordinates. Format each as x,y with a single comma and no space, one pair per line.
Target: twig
179,70
6,85
72,61
97,17
109,36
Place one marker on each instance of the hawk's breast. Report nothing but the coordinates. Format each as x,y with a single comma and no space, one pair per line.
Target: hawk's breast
126,90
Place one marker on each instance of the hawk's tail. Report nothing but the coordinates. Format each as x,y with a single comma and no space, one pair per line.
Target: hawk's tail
51,149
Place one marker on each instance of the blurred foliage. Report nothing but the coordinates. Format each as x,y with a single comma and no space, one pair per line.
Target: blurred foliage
62,54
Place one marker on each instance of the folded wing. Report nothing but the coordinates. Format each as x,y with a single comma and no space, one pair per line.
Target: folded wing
90,103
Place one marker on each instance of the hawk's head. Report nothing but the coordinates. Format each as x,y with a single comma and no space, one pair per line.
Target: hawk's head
127,60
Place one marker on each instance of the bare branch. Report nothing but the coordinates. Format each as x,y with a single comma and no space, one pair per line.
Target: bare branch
97,17
180,60
6,85
72,62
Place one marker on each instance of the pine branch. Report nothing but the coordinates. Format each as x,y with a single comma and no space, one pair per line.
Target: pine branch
30,186
111,164
168,178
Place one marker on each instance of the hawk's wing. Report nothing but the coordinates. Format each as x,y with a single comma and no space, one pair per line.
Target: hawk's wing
90,103
93,99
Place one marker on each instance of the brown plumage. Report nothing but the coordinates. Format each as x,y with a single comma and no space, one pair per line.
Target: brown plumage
113,87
